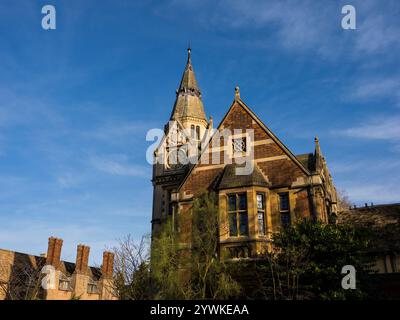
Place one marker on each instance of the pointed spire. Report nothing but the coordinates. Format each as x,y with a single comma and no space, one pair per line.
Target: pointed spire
188,96
317,155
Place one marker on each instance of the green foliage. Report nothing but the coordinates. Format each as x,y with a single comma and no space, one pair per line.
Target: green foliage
210,276
140,286
192,271
307,260
167,270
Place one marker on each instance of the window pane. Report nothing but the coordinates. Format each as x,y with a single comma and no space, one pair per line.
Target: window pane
197,132
242,201
260,201
261,224
285,219
284,201
232,203
243,224
232,225
192,131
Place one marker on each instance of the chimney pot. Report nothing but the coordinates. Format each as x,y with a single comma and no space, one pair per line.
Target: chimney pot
53,256
107,267
82,258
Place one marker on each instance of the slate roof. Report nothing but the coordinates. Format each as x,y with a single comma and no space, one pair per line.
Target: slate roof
188,101
382,220
230,179
37,262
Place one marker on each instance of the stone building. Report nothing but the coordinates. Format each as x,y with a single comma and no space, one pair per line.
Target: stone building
21,275
383,221
261,185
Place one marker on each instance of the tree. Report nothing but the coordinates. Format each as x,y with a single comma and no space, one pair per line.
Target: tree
192,270
21,280
210,273
307,260
132,269
169,265
343,200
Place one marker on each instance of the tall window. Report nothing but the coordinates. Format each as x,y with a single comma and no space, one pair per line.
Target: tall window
284,209
237,212
198,132
261,213
192,131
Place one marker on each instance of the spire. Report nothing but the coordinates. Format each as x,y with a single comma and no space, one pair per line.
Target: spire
188,101
317,155
188,81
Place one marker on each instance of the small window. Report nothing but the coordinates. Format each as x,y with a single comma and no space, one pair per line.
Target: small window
197,132
64,283
261,213
237,213
92,287
284,201
239,145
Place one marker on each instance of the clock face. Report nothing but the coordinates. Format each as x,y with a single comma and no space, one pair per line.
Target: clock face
176,158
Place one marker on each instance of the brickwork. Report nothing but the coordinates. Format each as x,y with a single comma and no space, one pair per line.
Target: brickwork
303,180
72,281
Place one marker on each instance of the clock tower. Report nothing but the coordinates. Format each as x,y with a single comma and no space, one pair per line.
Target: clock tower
183,136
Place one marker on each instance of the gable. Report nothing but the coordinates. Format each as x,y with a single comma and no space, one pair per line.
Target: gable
275,161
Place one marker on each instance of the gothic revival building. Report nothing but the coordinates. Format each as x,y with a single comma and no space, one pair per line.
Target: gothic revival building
261,185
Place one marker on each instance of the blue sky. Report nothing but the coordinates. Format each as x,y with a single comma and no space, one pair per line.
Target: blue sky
76,102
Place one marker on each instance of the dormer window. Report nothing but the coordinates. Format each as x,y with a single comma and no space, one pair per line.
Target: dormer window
65,283
92,287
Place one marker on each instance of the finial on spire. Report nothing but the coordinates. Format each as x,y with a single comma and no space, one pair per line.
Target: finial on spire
237,93
189,49
316,140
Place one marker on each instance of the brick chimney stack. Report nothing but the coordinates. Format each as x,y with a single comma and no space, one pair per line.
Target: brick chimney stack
107,268
82,259
54,252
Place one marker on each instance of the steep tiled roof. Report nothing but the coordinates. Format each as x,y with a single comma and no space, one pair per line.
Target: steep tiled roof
188,97
37,262
230,179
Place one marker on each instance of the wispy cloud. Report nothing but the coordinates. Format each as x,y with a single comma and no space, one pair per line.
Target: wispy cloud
386,128
378,32
119,165
116,130
301,25
376,88
373,192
